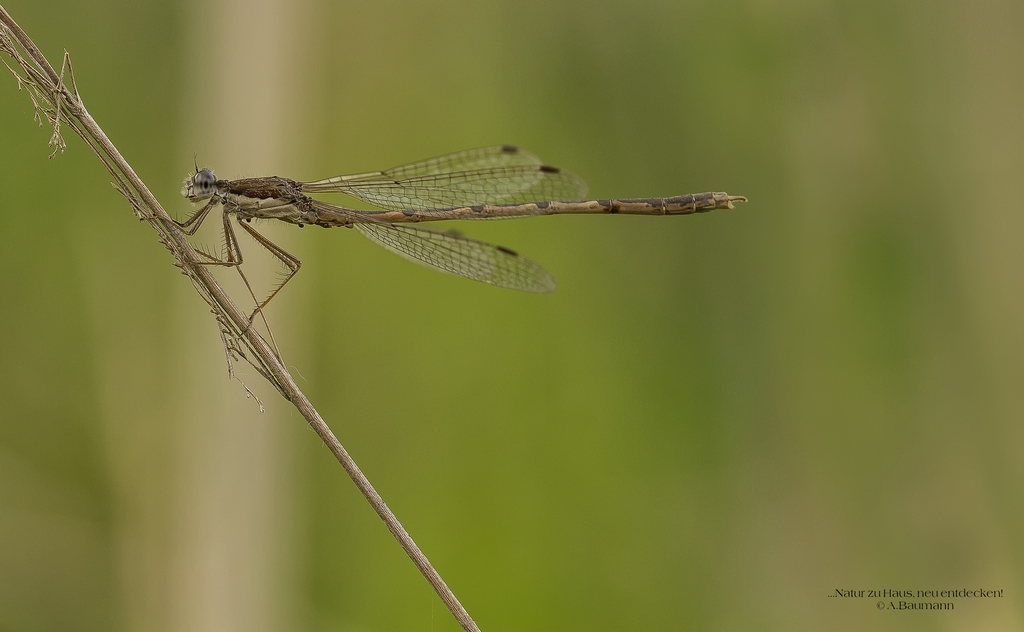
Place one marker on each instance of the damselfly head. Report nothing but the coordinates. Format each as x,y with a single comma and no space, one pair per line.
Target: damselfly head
200,185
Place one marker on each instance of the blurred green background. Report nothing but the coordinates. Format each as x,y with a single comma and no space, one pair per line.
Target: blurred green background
713,424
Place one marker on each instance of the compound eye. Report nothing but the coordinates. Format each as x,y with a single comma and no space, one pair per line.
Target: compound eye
204,181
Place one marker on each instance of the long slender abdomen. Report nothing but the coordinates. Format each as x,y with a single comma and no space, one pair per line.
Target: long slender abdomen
677,205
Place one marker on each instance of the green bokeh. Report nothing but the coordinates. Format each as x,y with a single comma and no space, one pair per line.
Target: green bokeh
715,421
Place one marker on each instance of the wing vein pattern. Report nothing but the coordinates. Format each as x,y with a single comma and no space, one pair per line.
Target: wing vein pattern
490,175
452,253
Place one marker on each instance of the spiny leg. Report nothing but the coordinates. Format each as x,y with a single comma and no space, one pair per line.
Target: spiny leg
233,259
192,224
234,254
285,257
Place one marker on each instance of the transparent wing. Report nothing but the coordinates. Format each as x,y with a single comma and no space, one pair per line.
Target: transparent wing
497,185
467,160
454,254
500,176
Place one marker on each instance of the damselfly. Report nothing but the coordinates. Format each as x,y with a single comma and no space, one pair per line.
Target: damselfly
490,182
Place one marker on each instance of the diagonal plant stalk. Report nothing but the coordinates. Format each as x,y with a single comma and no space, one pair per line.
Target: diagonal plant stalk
60,106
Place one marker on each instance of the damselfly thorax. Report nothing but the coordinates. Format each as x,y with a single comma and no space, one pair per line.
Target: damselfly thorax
492,182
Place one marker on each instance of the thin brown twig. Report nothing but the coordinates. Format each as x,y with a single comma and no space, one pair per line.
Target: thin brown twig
58,105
